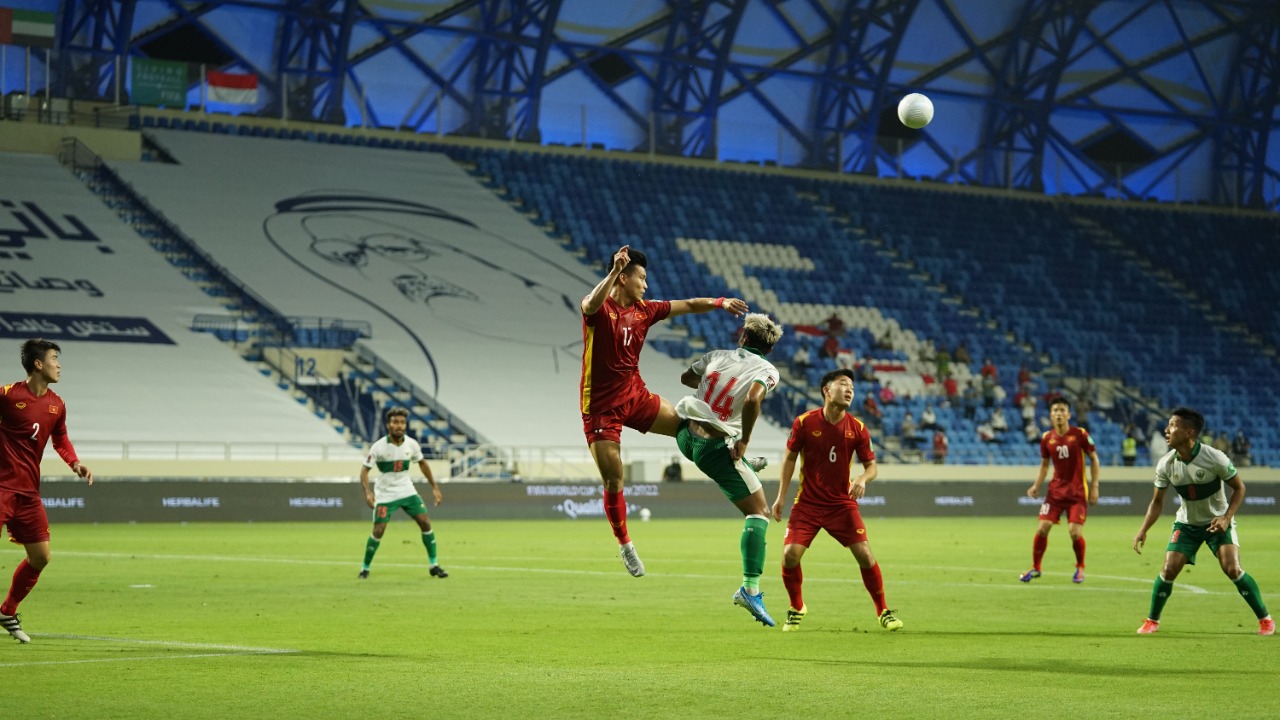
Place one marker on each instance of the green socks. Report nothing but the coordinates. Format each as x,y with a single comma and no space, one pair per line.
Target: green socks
753,545
1159,596
429,540
370,548
1248,590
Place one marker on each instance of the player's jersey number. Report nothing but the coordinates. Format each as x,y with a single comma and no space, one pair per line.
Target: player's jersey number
722,406
35,431
1063,452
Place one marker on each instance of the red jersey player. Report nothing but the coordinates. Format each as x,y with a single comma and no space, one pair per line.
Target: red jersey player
30,414
1066,447
827,441
615,320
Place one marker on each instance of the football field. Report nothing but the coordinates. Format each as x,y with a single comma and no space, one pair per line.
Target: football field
539,619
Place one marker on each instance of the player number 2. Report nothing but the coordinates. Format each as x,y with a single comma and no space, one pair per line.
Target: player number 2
723,404
35,431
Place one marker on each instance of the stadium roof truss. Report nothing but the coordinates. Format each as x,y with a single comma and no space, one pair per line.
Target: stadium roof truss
1173,99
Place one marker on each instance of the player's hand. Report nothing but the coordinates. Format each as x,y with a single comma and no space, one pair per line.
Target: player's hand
1093,497
1138,541
777,510
735,307
368,498
435,495
1219,524
621,258
1033,492
857,488
84,472
738,450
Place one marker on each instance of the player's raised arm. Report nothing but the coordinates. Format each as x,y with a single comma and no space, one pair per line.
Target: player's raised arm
733,306
594,300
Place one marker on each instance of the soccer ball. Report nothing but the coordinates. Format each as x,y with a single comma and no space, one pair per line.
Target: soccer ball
645,514
915,111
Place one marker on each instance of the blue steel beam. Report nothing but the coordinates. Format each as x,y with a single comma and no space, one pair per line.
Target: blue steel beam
92,35
311,58
691,73
853,90
1251,96
510,58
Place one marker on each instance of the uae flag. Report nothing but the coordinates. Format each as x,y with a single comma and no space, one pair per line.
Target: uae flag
26,27
232,88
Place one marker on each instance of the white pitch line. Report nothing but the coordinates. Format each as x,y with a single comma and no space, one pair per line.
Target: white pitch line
1195,589
228,650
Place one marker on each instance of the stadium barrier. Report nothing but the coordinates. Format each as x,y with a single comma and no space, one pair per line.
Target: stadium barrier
268,500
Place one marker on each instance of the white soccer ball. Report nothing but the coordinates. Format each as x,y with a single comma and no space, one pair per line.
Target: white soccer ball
645,514
915,111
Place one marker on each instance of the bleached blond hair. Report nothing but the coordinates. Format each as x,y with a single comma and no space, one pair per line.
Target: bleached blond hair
761,331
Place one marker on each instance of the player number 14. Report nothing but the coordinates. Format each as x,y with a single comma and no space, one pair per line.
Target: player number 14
722,406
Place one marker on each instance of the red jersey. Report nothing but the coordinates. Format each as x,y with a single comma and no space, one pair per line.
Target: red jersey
26,424
1068,453
826,454
611,342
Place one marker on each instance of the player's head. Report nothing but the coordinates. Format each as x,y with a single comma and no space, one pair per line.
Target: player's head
397,421
1185,426
760,333
41,356
634,279
837,388
1059,411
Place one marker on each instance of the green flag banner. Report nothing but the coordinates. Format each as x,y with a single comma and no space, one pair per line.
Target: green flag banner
159,82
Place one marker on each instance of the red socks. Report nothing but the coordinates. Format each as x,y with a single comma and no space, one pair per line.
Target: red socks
874,583
1077,544
792,579
615,509
1037,550
24,578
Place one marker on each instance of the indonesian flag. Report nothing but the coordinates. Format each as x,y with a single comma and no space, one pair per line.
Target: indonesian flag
232,88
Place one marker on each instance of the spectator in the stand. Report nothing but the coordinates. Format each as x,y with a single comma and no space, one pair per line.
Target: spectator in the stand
1024,377
1221,443
971,398
845,360
988,369
835,325
802,360
942,361
887,396
985,433
988,391
910,431
871,412
1032,432
1157,445
1240,449
885,341
999,423
1129,450
1088,391
1028,405
929,419
830,347
673,472
962,354
950,389
1082,418
866,373
939,447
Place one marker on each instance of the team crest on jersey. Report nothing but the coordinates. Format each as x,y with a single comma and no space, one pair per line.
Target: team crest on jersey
640,315
848,434
53,409
1199,474
816,433
20,405
613,316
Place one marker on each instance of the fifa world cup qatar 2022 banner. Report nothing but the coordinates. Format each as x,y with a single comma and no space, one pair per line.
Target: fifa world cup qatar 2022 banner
261,500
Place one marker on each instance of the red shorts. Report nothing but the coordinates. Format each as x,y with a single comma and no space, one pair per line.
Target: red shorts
25,517
1076,510
637,413
842,522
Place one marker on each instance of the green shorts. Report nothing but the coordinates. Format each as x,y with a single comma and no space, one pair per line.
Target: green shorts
735,478
413,505
1187,539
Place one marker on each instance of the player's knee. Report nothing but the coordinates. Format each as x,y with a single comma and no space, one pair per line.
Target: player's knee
1233,571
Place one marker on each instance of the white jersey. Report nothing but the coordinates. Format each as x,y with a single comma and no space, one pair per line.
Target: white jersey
1199,483
727,376
395,462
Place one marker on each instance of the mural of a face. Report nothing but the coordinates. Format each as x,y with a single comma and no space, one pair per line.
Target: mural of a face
402,258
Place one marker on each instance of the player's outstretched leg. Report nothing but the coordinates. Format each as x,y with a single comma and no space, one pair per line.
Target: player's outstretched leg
631,560
754,604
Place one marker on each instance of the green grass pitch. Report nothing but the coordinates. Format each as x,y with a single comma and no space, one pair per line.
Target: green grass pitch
539,619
